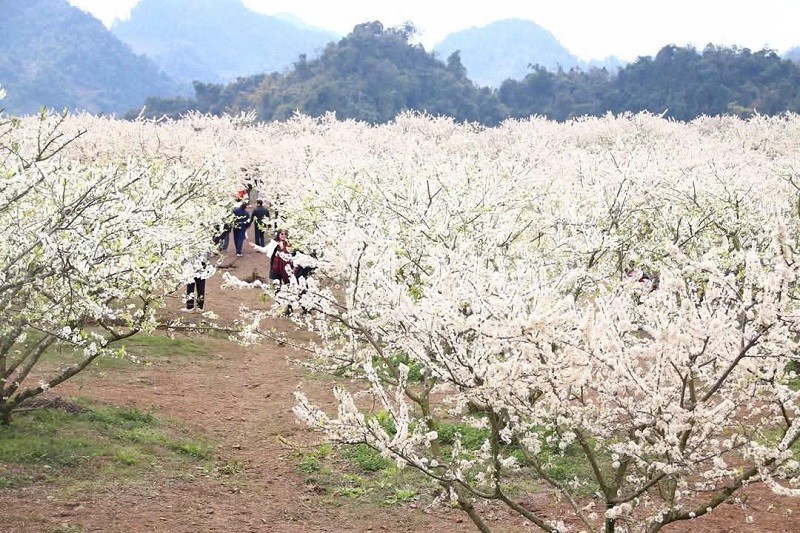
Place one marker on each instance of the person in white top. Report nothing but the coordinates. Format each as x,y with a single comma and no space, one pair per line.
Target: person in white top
198,271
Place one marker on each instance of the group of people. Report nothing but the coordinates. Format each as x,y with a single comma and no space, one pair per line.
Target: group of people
281,255
241,219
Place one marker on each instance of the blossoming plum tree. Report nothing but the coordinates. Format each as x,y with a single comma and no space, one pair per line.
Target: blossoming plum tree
96,228
495,277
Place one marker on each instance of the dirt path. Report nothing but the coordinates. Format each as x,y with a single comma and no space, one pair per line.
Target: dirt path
241,398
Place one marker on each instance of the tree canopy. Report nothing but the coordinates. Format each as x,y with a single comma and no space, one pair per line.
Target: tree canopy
374,74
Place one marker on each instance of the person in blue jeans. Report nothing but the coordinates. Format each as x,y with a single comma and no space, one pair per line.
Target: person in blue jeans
241,221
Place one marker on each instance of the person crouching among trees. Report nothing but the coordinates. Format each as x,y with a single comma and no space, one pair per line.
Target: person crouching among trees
222,238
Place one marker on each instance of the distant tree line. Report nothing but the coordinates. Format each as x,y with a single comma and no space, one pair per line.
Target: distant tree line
680,83
374,73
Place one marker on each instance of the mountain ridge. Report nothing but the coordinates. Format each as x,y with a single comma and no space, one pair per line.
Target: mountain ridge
485,50
56,55
216,40
69,60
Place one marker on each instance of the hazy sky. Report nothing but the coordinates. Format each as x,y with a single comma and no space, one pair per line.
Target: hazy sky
590,29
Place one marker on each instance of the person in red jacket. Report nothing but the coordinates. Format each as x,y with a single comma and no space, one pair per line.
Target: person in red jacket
279,252
280,266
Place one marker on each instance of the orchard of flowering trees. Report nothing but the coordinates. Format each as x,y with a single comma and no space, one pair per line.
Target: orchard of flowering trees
622,291
99,219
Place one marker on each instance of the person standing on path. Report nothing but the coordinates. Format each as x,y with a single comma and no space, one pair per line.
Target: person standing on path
200,269
279,251
260,218
280,266
241,222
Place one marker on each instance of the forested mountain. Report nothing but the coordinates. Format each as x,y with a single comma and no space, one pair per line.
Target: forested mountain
216,40
55,55
506,49
374,73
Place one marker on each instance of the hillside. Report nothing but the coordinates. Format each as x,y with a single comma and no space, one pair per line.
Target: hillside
57,56
506,49
216,40
54,55
372,74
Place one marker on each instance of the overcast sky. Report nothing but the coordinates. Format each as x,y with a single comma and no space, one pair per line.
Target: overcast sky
590,29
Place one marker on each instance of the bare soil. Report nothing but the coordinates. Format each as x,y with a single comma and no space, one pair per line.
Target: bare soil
241,399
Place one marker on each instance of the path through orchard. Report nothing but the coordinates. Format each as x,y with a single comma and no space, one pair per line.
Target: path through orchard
241,399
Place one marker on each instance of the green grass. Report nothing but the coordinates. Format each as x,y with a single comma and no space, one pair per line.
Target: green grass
162,347
139,349
101,445
562,465
353,486
471,438
401,496
794,366
357,475
366,459
311,461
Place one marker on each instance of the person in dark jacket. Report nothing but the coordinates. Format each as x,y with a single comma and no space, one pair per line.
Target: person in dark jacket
241,221
260,218
222,238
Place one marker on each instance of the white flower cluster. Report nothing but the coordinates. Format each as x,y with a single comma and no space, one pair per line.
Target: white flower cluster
100,218
621,291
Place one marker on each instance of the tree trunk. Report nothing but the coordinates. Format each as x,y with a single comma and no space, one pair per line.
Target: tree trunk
5,413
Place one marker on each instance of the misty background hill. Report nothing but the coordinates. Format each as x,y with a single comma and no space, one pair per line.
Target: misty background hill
217,40
54,55
507,49
375,73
